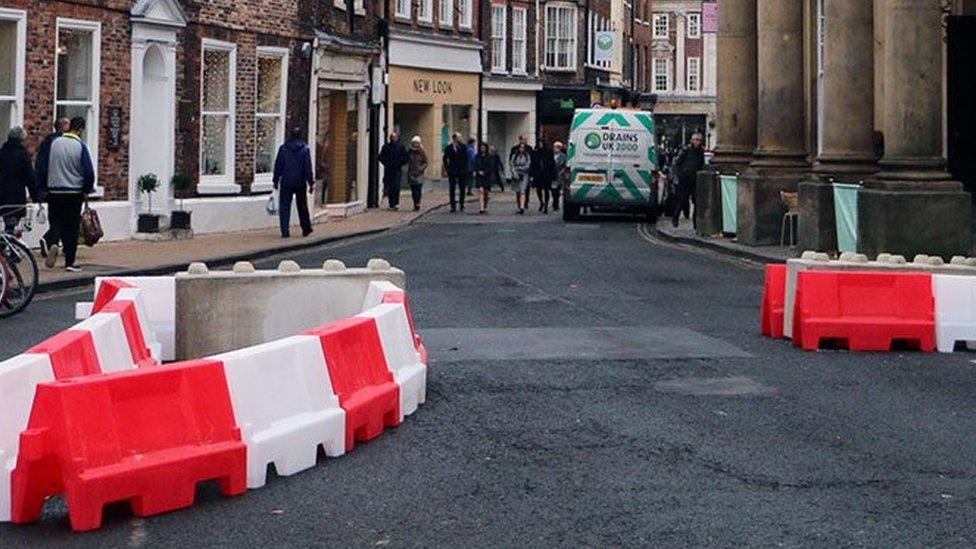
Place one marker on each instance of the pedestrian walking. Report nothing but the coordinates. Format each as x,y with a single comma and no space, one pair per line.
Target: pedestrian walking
416,166
521,163
293,179
487,171
16,178
69,177
523,141
472,152
393,156
560,161
543,174
686,166
43,157
456,165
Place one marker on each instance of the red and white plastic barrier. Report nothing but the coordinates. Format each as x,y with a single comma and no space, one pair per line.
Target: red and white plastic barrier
147,435
158,305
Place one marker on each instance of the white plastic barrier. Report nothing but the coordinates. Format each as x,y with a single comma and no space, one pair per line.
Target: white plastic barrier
401,356
111,343
158,296
955,311
374,294
19,377
284,405
136,296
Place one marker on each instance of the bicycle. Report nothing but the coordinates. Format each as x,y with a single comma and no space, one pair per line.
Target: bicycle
18,266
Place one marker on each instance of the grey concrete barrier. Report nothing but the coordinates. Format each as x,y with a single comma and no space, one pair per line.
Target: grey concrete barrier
814,261
219,311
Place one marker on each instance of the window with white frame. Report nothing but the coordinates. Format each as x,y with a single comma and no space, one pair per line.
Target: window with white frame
519,24
498,14
694,25
694,74
269,112
464,14
403,9
425,11
661,75
78,76
661,25
560,37
359,7
447,13
13,37
217,116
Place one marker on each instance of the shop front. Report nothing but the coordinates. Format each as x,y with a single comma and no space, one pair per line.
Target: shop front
339,133
508,112
434,89
556,106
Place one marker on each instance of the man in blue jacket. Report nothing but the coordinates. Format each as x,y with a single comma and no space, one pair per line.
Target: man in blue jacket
70,176
293,178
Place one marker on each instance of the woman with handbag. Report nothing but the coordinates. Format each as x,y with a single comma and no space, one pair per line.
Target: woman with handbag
416,167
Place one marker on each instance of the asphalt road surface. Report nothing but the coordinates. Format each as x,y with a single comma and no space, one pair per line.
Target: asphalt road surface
591,386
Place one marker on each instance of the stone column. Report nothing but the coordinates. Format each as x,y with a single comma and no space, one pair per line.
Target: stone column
781,156
845,151
736,86
912,206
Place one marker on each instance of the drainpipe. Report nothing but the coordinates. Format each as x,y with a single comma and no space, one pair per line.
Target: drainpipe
537,29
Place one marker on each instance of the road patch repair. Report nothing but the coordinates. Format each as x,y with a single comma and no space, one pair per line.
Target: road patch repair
82,411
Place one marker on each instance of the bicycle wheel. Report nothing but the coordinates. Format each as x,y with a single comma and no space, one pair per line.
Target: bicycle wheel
20,270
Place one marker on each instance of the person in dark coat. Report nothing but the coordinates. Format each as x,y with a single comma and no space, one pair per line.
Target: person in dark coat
543,173
393,156
293,179
43,157
523,142
456,166
686,166
16,178
487,172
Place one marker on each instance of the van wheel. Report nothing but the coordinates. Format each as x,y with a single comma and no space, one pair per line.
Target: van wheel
570,212
651,215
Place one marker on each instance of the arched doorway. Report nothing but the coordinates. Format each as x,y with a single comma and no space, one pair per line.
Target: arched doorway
152,125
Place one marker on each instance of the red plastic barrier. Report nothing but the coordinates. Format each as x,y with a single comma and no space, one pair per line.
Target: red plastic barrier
357,368
773,301
72,354
107,291
867,310
141,356
401,297
146,436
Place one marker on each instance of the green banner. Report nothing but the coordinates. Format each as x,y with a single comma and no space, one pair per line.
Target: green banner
845,211
730,203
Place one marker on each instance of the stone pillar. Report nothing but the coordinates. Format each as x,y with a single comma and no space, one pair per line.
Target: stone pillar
912,206
736,86
781,156
845,150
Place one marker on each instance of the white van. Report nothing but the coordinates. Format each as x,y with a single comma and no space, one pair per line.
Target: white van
612,163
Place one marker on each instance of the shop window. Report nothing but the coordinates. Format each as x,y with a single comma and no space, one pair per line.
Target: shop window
662,75
425,11
403,9
77,83
519,24
13,28
455,119
337,146
464,14
694,25
447,13
560,37
217,117
661,25
269,117
498,37
694,74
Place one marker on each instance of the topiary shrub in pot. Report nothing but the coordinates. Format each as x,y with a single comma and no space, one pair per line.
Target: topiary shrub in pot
148,222
182,185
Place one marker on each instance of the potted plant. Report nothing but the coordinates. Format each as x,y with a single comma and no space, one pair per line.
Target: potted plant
148,222
182,184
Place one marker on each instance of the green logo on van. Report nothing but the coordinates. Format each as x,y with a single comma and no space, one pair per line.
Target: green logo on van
592,140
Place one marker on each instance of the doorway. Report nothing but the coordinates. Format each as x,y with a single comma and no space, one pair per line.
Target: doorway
961,81
153,124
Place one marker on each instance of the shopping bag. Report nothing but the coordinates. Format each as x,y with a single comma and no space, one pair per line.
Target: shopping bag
272,206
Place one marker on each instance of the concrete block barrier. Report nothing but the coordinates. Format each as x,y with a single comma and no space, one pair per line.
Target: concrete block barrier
146,436
19,377
402,358
955,311
360,377
284,405
867,311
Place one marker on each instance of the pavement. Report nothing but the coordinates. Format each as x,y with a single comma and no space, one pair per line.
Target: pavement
132,257
685,233
592,384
